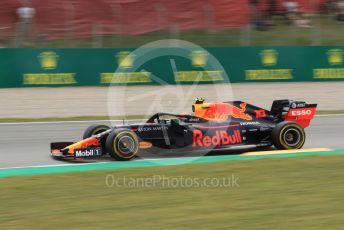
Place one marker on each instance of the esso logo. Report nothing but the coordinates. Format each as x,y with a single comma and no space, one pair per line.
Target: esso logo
301,112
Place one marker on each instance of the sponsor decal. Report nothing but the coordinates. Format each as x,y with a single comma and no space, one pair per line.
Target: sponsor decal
83,144
301,105
221,137
335,57
301,116
221,111
49,79
151,128
240,112
269,74
145,145
329,73
301,112
249,123
269,58
88,153
194,119
125,59
199,58
198,76
260,113
49,61
298,105
120,78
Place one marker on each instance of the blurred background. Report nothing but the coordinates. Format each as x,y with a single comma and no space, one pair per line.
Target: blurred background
131,23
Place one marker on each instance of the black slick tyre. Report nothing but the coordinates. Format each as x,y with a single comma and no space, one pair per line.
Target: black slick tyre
122,144
94,130
288,135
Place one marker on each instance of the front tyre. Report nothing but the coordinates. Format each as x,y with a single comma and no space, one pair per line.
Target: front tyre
122,144
288,135
94,130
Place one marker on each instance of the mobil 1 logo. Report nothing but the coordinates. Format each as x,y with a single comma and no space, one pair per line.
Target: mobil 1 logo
88,153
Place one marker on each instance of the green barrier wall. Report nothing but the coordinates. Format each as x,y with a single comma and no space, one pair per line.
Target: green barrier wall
100,67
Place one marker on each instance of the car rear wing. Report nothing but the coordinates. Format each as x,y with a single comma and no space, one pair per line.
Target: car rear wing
296,111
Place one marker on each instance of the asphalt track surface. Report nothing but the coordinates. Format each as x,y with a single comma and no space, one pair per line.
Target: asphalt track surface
27,144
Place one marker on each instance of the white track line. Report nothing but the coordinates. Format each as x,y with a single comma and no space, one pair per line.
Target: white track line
65,122
94,163
268,152
57,165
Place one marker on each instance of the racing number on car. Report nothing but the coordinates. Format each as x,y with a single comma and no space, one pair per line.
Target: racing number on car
260,113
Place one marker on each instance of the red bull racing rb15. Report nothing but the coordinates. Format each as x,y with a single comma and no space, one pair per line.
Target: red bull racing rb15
211,126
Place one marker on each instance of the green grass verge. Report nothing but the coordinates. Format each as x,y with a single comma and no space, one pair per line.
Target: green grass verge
293,193
128,117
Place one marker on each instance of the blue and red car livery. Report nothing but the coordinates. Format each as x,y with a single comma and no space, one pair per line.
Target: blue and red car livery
217,125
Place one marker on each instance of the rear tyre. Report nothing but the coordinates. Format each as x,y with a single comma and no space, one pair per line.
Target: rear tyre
122,144
94,130
288,135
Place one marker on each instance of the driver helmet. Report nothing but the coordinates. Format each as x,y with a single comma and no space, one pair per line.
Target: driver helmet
199,101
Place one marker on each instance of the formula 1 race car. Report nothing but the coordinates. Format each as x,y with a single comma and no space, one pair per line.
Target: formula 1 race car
219,125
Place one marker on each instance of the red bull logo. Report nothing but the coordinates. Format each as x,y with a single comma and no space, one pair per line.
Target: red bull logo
221,111
221,137
240,112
